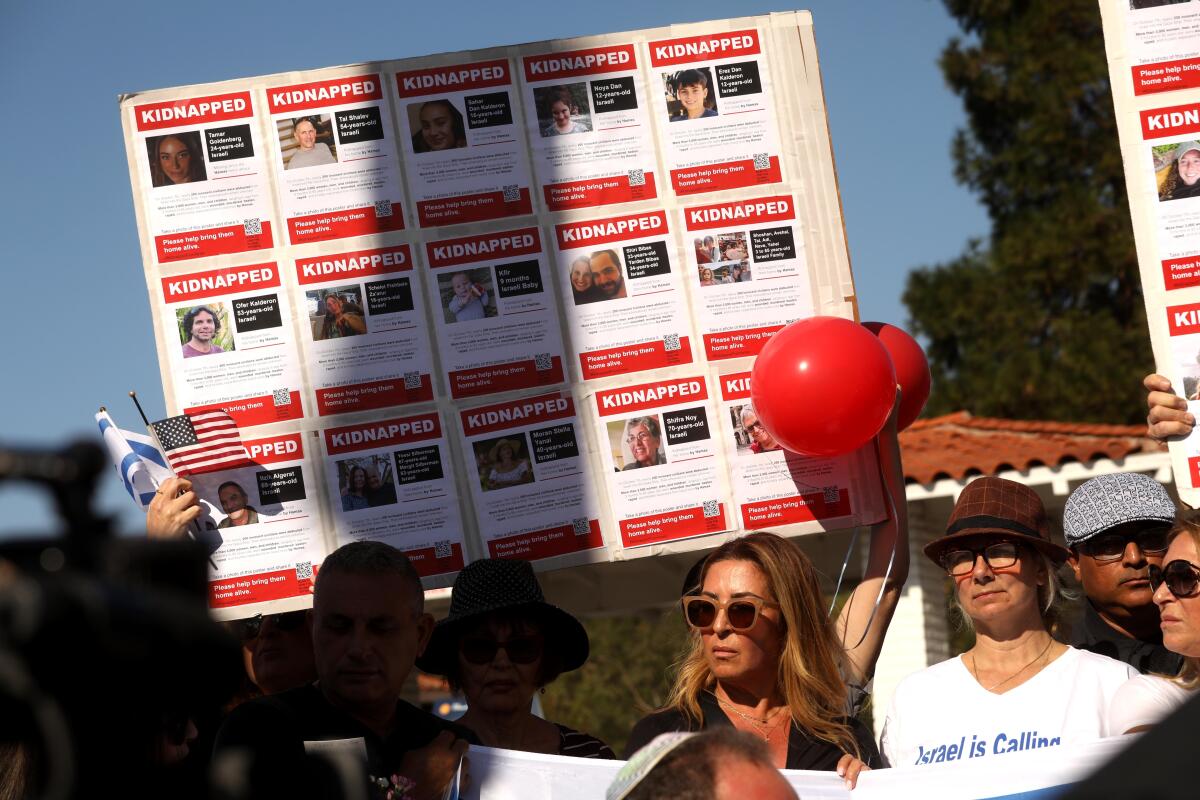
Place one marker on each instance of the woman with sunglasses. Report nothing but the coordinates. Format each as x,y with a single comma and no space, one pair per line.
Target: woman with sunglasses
1016,688
500,644
765,658
1145,699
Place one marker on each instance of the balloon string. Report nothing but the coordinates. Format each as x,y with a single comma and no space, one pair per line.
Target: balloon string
891,559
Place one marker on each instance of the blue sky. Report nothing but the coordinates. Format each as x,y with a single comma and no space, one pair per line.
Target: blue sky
80,334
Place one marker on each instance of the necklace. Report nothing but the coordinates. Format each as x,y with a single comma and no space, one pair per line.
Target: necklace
761,726
1037,658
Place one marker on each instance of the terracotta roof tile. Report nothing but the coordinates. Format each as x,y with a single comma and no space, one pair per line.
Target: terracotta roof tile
959,445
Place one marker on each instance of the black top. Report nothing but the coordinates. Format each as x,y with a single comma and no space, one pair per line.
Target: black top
275,729
581,745
1145,656
804,751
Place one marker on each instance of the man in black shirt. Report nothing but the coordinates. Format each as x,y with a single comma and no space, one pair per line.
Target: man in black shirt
1116,526
368,626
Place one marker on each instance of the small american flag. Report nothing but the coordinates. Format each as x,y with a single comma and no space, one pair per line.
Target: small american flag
199,443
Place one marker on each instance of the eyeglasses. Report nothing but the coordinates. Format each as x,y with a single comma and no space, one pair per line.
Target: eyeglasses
642,437
248,629
1181,577
753,426
520,649
1111,546
998,555
741,613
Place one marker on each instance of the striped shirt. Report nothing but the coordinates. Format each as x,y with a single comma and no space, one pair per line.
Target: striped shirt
581,745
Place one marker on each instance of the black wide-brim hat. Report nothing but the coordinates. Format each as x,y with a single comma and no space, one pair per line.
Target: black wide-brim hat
999,507
508,586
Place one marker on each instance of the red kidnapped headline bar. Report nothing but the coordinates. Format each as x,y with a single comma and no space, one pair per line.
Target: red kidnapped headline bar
593,61
612,229
668,52
456,78
321,94
195,111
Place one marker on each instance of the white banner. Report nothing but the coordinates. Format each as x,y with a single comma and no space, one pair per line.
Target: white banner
511,775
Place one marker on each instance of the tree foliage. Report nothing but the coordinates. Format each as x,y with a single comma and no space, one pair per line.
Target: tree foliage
627,675
1045,319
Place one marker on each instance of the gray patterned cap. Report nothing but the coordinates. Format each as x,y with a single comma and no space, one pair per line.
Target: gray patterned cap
1110,500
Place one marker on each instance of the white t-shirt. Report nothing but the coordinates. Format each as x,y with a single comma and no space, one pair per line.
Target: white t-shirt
1144,700
942,714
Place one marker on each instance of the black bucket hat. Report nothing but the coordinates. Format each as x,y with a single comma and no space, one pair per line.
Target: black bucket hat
505,585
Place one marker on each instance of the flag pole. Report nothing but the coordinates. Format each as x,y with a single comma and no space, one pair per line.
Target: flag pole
195,525
145,419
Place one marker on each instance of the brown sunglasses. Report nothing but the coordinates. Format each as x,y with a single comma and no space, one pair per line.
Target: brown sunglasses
741,612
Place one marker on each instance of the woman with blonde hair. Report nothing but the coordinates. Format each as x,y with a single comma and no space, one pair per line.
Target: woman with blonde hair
1144,700
1017,688
765,658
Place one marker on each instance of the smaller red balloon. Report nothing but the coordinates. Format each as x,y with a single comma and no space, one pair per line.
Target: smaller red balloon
912,370
823,386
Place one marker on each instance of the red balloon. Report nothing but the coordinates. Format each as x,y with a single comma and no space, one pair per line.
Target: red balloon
823,386
912,370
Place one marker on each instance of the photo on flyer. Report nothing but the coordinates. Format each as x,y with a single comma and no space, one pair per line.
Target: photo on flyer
363,330
266,538
203,177
227,336
626,310
586,112
661,453
464,149
749,276
496,319
392,480
335,162
712,95
532,484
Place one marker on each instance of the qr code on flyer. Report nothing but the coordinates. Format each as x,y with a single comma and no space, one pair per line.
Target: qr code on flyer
712,508
512,193
671,342
412,380
543,362
442,549
281,397
831,493
304,571
581,526
383,208
637,177
252,227
762,161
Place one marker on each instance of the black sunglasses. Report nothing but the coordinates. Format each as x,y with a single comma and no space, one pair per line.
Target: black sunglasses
1111,546
961,560
248,629
1181,577
520,649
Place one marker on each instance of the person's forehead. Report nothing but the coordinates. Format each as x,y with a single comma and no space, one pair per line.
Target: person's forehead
602,259
363,596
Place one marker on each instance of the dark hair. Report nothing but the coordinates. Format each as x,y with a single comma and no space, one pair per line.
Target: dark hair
419,144
190,317
690,77
223,486
689,772
310,120
191,139
522,620
374,559
559,94
616,260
